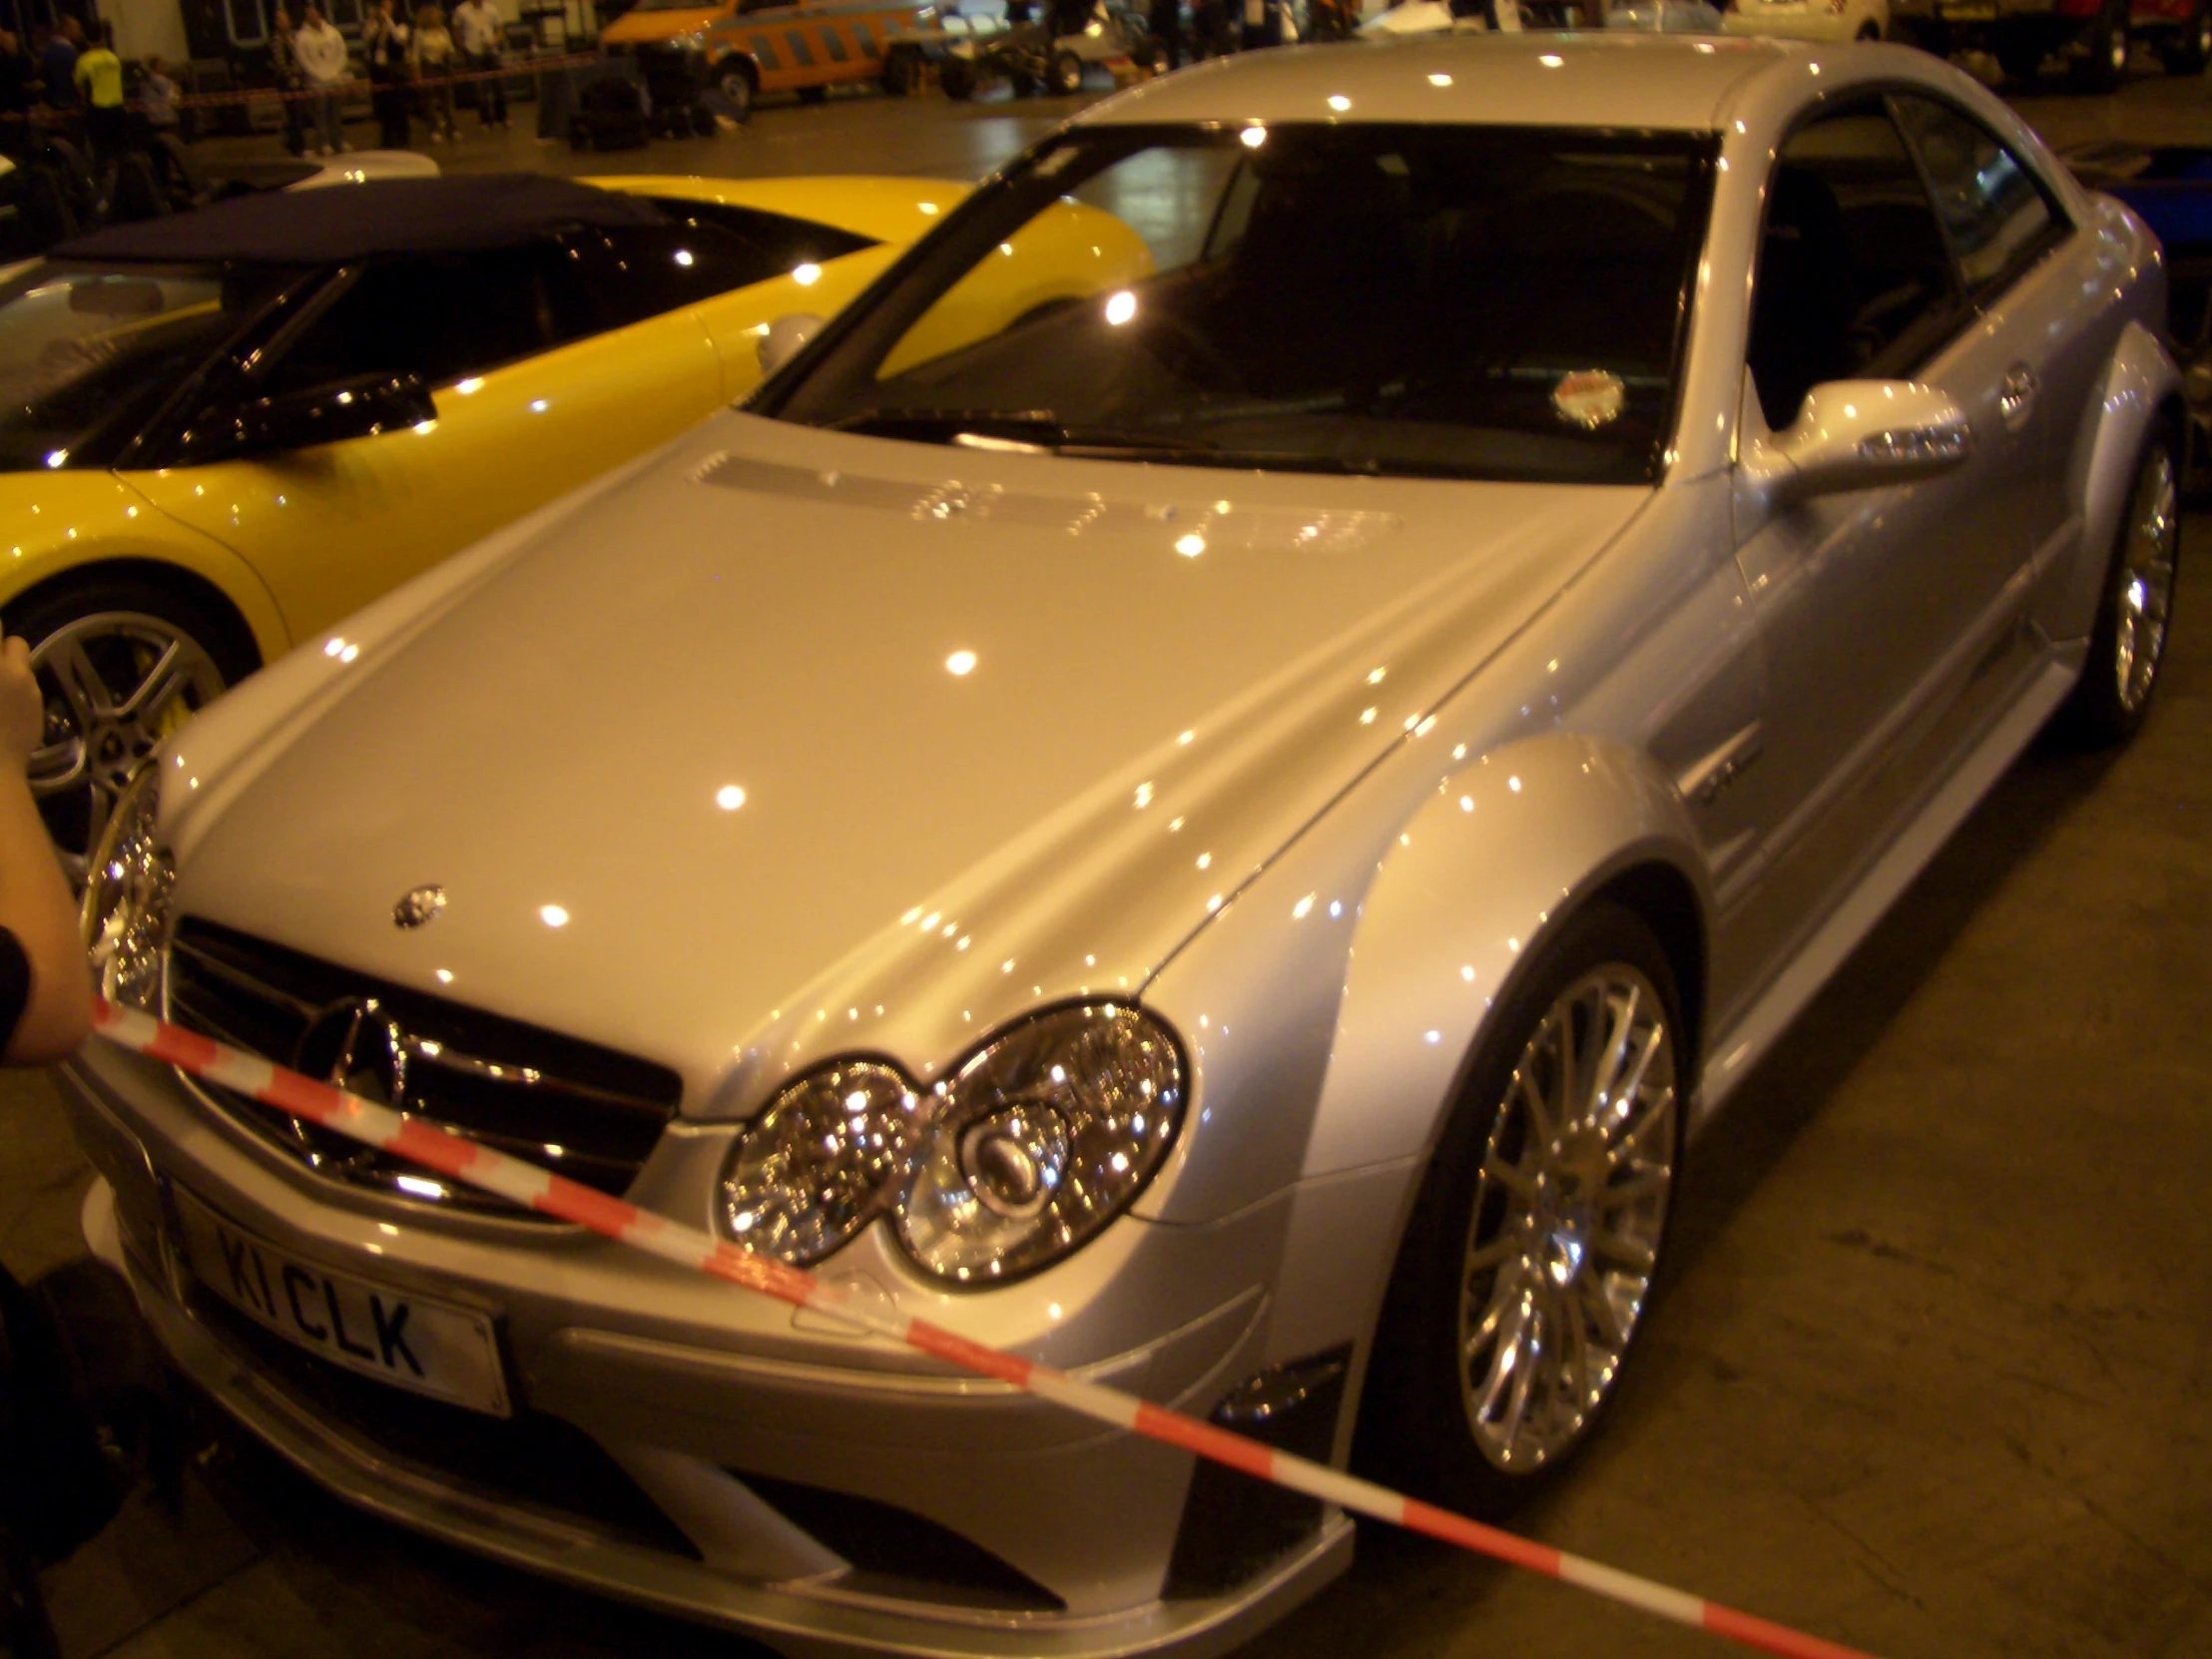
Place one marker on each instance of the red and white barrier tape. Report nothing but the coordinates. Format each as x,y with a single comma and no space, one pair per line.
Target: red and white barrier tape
537,1189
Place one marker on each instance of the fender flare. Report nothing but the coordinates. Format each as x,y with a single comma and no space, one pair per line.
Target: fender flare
2138,383
1345,1053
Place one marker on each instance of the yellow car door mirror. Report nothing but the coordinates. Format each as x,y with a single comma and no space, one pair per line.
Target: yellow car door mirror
360,406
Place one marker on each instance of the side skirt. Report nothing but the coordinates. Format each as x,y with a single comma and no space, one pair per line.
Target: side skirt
1738,1050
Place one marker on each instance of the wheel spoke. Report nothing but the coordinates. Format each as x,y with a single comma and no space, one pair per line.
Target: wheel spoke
1629,1252
57,767
1574,1354
1541,1129
86,692
1600,1312
168,678
1608,1071
1644,1181
1529,1351
1512,1177
1496,1254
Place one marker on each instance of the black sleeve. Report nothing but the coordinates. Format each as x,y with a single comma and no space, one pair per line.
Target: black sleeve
15,985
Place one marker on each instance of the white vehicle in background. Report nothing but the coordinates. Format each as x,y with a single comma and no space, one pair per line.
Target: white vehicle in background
1425,17
1810,19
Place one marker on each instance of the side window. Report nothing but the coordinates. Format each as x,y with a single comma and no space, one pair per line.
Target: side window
709,248
1855,279
1995,212
443,317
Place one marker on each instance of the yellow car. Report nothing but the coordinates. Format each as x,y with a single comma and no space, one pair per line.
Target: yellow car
228,430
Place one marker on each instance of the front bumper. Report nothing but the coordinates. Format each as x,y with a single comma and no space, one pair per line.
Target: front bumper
683,1445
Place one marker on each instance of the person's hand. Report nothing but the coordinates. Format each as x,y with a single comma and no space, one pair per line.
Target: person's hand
22,707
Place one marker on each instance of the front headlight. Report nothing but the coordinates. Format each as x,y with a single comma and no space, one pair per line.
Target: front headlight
1040,1139
125,917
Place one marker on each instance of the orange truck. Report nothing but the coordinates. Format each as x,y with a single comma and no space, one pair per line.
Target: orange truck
741,48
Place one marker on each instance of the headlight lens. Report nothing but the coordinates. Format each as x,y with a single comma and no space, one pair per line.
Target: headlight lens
1036,1143
1042,1140
125,917
819,1164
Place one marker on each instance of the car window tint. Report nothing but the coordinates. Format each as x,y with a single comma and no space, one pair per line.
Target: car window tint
1995,212
1854,279
88,355
443,317
709,249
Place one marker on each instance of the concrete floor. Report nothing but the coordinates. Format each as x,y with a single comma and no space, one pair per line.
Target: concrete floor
1930,1370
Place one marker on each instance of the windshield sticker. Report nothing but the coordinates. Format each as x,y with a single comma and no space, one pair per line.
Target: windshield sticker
1589,399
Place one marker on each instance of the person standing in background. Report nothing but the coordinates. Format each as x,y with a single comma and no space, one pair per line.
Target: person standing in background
384,43
57,63
98,78
430,58
320,52
479,32
157,97
1165,19
16,76
284,64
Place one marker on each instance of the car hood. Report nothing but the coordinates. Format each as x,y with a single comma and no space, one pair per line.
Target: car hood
800,742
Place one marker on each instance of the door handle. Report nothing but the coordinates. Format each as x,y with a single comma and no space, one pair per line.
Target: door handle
2016,397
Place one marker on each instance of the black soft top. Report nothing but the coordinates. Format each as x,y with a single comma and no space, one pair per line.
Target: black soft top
462,213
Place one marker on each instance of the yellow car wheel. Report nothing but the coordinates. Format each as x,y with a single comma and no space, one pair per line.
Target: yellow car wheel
122,663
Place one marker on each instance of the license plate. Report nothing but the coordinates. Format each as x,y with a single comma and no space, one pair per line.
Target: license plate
409,1341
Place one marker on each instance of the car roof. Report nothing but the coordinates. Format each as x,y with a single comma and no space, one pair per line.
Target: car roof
459,214
883,209
1618,80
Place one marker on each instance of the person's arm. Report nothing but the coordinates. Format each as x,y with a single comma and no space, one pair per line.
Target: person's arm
35,901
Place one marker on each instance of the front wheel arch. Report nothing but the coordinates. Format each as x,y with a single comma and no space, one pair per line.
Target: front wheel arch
197,591
1414,1428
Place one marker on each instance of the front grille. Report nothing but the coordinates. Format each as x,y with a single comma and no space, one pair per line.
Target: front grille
587,1112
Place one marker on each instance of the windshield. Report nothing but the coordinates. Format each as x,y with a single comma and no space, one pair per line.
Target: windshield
1468,301
87,356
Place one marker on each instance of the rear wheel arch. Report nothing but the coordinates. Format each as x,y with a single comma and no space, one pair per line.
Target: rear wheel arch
242,642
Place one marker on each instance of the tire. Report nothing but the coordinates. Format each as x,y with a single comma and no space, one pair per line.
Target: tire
98,646
2106,65
2135,613
1506,1234
2191,47
1868,31
1067,74
702,121
733,80
901,74
958,76
2021,59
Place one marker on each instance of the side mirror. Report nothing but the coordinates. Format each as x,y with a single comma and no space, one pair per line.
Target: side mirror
784,339
1860,434
364,406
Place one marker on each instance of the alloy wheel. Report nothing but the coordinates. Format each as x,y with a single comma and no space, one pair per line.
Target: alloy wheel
1569,1211
116,684
2145,580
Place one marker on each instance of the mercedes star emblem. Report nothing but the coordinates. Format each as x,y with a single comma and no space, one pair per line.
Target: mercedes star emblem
418,906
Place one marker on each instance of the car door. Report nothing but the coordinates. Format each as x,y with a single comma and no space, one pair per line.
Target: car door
534,395
1893,617
2005,228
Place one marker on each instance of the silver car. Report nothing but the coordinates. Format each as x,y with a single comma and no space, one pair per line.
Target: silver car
1227,832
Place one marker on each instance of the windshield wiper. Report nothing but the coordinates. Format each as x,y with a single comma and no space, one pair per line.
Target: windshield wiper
1039,430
